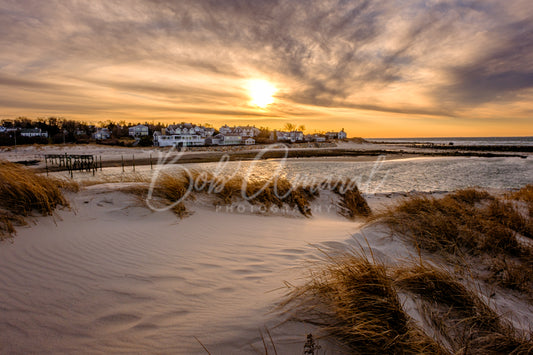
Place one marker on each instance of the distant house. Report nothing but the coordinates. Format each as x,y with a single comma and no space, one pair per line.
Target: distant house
212,140
342,134
102,133
243,131
336,135
229,139
292,136
178,140
2,129
137,131
33,132
332,135
246,131
315,138
225,129
249,141
189,128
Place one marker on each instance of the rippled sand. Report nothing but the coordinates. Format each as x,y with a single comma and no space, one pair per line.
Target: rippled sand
112,276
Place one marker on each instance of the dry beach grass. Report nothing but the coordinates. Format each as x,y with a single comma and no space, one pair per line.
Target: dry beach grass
22,192
357,300
470,224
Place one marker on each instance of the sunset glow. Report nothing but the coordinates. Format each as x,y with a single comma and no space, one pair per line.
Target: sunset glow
261,93
377,69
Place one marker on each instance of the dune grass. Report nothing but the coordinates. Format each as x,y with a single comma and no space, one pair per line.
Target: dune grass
353,299
356,300
352,203
266,193
470,223
462,320
22,192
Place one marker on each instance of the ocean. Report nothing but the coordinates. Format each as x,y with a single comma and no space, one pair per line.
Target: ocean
496,141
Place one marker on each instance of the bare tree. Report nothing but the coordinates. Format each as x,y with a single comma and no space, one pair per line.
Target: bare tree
289,127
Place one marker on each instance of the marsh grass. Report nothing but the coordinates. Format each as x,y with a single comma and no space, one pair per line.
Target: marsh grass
469,223
22,192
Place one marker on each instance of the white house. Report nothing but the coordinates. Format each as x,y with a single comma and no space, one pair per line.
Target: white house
336,135
33,132
246,131
225,129
178,140
189,128
293,136
243,131
249,141
342,134
102,133
137,131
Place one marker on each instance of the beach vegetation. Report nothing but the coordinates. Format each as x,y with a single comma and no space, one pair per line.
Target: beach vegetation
361,303
469,223
23,192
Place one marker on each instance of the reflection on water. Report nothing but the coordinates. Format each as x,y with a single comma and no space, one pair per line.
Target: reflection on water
377,176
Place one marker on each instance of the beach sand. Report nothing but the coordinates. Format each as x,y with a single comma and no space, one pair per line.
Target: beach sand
111,276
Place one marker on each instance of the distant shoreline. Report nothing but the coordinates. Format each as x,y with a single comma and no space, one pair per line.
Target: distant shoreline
210,157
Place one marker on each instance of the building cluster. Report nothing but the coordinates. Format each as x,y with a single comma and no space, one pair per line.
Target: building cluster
25,132
189,134
299,136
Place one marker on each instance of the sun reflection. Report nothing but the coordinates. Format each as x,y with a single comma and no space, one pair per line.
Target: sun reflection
261,92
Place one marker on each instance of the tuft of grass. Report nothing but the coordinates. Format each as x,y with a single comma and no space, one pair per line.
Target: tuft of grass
352,203
469,223
173,188
471,195
259,192
511,274
354,300
458,314
280,192
22,192
525,195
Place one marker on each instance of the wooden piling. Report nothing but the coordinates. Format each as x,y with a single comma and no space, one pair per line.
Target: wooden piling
133,162
122,163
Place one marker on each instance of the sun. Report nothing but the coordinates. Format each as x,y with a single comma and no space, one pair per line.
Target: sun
261,92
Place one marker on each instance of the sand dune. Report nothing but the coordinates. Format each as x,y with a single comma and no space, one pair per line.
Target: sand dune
112,276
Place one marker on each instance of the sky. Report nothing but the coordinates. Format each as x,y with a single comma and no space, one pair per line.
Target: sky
375,68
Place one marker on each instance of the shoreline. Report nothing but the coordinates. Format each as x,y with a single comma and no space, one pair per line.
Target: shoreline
192,157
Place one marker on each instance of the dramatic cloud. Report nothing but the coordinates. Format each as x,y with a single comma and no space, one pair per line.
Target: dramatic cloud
351,63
